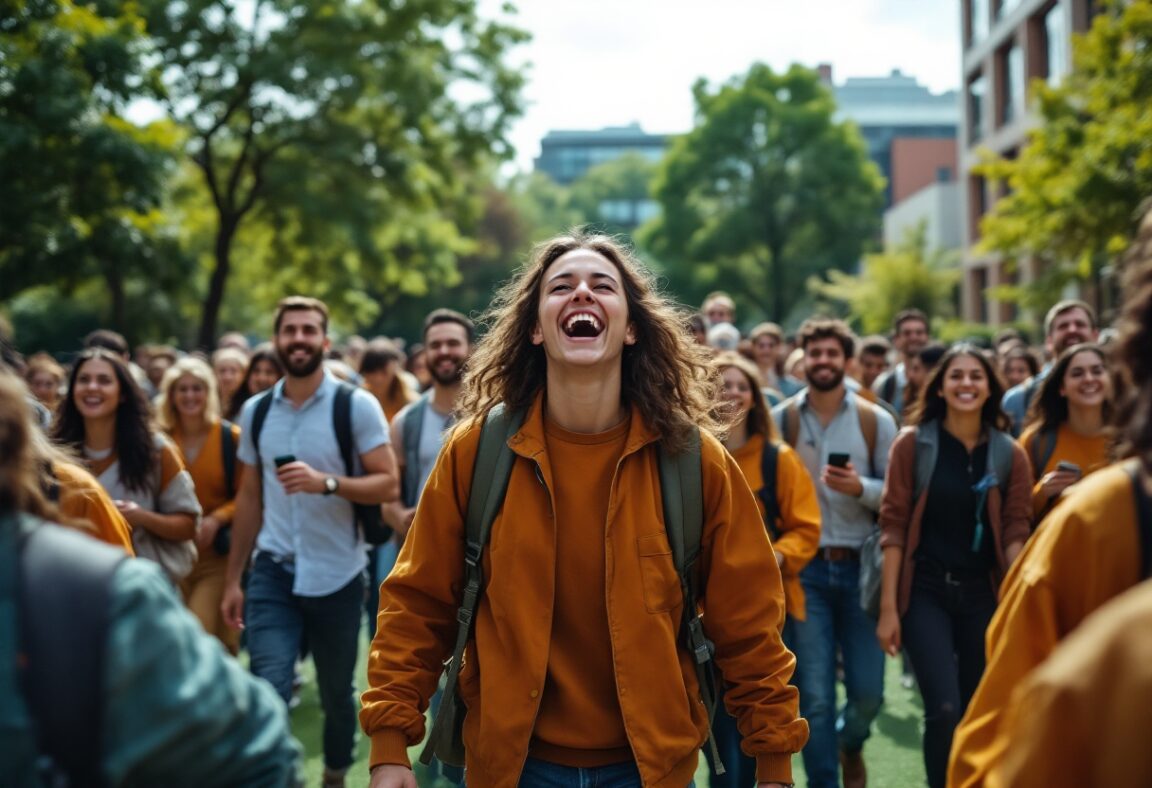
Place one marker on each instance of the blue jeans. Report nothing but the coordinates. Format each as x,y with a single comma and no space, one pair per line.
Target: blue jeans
739,769
834,622
542,774
943,632
276,621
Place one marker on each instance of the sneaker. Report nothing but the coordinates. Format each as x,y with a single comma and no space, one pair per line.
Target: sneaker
852,766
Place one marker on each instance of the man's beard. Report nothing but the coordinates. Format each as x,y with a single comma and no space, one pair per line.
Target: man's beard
300,369
448,377
826,384
1069,341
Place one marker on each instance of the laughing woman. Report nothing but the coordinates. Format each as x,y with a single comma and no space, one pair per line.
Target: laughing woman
951,526
189,411
1067,437
104,419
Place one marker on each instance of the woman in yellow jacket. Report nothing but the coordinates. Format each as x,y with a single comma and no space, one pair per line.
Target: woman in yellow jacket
575,668
189,411
1067,437
795,526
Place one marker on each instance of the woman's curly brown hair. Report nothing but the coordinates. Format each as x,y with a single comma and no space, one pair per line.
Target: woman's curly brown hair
666,375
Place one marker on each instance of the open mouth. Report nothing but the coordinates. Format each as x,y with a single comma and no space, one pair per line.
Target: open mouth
583,325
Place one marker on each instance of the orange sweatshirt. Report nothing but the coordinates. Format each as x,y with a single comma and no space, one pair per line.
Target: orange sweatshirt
580,723
799,522
82,498
1089,452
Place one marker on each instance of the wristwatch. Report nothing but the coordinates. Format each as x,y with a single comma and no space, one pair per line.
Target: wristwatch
331,485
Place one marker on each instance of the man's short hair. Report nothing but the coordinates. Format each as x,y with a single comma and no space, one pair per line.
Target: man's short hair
904,315
300,304
875,346
437,316
816,328
1067,305
109,340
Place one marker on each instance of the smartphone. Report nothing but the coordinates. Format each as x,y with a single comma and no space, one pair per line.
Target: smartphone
1071,467
838,459
284,459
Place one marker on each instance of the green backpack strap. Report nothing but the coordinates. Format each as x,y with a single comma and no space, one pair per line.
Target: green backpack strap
489,484
682,495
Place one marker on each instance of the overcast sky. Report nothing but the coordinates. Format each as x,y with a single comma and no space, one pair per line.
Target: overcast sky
597,63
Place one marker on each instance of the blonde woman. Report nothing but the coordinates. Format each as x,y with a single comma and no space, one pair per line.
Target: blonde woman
189,411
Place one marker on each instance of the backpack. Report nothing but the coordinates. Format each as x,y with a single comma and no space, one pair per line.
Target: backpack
413,425
928,448
1143,520
682,498
367,517
51,702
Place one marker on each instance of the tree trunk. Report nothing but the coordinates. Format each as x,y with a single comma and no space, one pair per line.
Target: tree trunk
215,298
776,283
115,281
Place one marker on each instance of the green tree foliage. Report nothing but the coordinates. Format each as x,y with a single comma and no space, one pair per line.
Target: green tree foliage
1076,191
83,187
766,190
615,196
907,276
344,127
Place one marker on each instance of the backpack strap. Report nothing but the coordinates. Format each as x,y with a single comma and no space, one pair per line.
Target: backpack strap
228,456
1043,447
682,495
490,475
868,428
1143,519
790,424
927,452
1000,455
66,577
413,426
259,415
769,461
888,388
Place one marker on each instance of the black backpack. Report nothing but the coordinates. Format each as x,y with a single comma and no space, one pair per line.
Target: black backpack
682,498
367,517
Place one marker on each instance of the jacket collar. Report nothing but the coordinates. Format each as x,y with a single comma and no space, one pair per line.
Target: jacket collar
529,440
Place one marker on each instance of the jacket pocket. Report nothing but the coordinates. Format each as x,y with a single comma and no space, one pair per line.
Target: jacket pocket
658,572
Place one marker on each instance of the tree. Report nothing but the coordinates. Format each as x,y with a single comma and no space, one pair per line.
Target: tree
907,276
342,124
766,189
83,187
616,196
1077,189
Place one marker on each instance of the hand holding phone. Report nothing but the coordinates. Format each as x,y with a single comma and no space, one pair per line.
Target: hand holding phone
284,459
1069,467
838,459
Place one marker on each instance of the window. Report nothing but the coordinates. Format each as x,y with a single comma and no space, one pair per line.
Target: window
1055,44
977,20
977,88
1011,84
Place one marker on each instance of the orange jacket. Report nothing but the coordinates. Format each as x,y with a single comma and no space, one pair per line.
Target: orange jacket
799,523
505,664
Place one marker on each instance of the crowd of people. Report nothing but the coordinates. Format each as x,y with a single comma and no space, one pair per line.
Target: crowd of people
832,500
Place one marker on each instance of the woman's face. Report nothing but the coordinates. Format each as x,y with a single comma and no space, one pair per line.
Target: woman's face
965,385
736,392
229,373
765,348
418,366
189,396
1016,371
96,393
1086,384
45,387
264,376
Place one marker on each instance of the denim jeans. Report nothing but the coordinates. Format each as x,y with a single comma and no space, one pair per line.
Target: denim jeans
943,632
834,622
381,559
542,774
739,769
276,621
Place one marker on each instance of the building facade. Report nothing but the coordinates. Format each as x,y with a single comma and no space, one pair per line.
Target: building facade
1007,45
566,155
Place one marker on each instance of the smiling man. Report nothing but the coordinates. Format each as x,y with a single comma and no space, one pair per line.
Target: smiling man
295,503
575,672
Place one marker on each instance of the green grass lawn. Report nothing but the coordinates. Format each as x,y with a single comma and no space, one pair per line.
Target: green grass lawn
892,754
